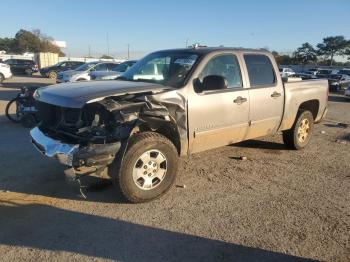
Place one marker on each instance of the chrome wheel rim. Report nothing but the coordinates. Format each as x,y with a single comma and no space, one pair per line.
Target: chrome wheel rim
303,130
149,169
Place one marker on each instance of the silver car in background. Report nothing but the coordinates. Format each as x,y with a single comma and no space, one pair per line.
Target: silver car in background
82,72
114,73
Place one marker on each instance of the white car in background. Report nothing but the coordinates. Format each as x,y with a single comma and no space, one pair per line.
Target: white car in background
5,72
347,92
286,71
82,73
114,73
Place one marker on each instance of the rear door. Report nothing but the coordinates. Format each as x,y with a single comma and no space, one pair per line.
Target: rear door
266,96
219,117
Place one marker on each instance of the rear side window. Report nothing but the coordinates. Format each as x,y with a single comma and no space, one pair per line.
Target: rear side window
260,70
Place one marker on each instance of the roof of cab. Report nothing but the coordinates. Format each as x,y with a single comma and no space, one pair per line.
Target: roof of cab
207,50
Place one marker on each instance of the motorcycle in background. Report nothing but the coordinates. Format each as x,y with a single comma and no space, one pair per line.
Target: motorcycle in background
21,109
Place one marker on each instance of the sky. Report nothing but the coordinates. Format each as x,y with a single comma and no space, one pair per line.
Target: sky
152,25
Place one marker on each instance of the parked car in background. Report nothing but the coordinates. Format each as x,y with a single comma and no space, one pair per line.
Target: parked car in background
114,73
347,92
312,71
325,73
286,71
304,76
5,72
344,72
338,82
22,66
52,71
82,72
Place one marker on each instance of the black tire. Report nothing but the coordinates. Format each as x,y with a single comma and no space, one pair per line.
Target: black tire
292,138
28,120
8,114
52,75
122,173
81,79
1,78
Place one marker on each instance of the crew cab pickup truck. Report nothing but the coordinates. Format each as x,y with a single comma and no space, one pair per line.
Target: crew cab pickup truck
189,100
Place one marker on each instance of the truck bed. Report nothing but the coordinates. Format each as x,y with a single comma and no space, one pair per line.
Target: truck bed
296,92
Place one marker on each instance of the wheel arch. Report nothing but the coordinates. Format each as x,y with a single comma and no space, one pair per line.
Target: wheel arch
310,105
163,127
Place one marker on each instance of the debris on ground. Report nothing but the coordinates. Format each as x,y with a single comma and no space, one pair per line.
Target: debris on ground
344,125
341,141
323,132
181,186
243,158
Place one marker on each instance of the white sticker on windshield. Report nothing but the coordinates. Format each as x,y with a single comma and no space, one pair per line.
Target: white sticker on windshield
184,61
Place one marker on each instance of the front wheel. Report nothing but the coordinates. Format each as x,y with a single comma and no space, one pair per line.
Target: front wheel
299,135
11,111
1,78
148,169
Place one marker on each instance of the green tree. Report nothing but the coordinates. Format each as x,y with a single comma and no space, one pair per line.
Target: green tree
332,46
27,41
305,54
106,57
9,45
283,59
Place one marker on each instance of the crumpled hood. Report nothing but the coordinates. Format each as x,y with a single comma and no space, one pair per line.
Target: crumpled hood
77,94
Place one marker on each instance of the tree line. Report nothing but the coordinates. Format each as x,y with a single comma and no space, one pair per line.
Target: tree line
29,41
322,54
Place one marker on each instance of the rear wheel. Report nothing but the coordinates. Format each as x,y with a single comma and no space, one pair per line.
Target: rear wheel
52,75
299,135
148,169
1,78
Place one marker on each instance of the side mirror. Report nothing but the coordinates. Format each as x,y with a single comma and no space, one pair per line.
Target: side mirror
214,82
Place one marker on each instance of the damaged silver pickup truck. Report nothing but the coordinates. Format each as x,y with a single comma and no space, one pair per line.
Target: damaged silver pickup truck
172,103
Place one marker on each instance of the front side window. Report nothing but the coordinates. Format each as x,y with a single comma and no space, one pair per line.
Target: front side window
260,70
169,68
101,67
226,66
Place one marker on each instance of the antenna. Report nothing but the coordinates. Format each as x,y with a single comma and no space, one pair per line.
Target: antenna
107,44
128,51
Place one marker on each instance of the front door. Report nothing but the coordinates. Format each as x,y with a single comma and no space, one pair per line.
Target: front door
219,117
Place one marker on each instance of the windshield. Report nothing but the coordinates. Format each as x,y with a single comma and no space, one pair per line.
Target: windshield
337,77
168,68
85,67
121,67
344,72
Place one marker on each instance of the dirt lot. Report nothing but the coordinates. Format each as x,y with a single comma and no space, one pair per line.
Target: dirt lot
278,205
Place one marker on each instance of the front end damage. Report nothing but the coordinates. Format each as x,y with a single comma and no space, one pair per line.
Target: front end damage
88,139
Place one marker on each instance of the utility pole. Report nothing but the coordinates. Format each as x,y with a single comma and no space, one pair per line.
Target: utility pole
89,51
186,42
128,51
107,44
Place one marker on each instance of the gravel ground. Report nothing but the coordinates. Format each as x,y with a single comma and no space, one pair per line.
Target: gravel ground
278,205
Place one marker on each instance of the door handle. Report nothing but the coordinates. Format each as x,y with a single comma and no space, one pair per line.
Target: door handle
239,100
275,94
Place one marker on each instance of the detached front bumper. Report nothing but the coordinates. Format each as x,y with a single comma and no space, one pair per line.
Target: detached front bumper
74,155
